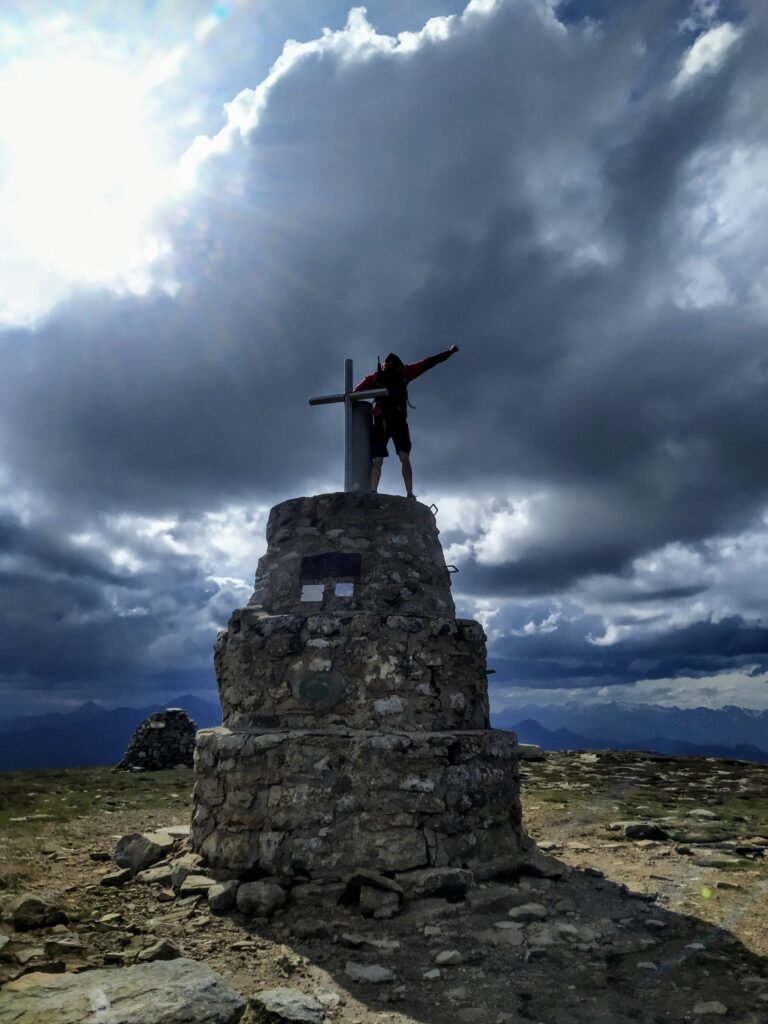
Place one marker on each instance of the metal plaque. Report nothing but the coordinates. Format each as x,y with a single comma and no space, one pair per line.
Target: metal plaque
332,565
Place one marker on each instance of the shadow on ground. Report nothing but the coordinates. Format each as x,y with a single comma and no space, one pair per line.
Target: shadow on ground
552,951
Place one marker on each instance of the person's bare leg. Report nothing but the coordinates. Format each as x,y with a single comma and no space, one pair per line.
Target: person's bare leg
376,474
405,463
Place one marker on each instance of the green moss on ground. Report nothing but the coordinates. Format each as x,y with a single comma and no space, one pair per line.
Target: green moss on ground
62,795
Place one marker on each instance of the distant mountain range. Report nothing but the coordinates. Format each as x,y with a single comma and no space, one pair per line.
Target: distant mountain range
530,731
95,735
723,732
88,735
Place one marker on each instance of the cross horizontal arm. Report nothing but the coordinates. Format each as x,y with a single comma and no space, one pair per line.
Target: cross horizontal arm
358,396
326,399
355,396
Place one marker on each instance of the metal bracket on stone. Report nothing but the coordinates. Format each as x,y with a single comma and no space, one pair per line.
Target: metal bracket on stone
452,569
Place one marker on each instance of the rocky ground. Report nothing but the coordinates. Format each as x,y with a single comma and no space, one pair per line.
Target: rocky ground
659,916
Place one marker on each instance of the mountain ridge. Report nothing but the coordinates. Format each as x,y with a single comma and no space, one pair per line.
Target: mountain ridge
556,740
729,726
91,734
70,739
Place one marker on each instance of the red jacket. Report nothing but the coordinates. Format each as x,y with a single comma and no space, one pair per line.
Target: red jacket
409,371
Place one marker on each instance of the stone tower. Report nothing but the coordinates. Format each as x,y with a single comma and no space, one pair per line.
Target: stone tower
355,708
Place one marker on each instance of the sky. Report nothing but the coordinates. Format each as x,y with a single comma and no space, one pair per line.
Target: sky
205,208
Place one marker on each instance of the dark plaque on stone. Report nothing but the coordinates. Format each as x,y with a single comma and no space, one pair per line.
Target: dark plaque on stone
332,565
320,693
315,690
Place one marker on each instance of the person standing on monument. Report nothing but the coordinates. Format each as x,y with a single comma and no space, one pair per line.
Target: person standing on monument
390,414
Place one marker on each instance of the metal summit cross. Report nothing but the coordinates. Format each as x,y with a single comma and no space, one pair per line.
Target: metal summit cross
357,430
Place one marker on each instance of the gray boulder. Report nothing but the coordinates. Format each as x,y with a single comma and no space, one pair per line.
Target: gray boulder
435,881
539,864
34,910
187,864
116,878
373,974
163,949
165,992
222,897
530,752
140,850
260,899
287,1004
378,903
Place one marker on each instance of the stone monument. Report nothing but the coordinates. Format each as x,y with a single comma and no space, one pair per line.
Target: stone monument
356,730
164,740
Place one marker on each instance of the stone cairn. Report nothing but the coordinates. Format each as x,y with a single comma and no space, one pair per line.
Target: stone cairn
356,741
164,740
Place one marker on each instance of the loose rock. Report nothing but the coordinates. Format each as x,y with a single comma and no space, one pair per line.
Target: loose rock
378,903
139,850
287,1004
116,878
374,974
197,885
644,830
222,896
260,899
34,910
129,995
187,864
448,958
435,882
712,1008
529,912
163,949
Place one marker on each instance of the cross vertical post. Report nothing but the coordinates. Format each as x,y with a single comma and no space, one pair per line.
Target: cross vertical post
357,443
348,424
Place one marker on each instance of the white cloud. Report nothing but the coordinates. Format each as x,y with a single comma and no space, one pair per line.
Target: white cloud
706,54
735,688
716,691
504,534
702,285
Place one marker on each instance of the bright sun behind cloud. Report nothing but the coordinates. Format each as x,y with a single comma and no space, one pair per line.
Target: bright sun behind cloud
78,180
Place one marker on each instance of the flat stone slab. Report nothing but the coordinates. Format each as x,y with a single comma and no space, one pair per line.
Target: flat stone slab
164,992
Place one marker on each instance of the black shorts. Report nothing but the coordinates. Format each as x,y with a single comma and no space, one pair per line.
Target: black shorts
383,429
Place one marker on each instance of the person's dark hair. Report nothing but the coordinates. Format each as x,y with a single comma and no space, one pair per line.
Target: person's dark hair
392,358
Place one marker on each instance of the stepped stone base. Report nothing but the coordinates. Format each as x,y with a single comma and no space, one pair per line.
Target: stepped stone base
355,708
315,803
350,668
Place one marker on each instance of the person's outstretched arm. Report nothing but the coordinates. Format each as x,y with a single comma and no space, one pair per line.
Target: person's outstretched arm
413,370
369,382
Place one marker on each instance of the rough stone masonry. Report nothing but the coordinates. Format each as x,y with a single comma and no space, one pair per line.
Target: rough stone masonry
356,730
164,740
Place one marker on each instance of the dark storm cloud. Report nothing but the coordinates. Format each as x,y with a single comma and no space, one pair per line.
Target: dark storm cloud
73,624
49,554
566,658
528,190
